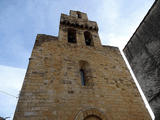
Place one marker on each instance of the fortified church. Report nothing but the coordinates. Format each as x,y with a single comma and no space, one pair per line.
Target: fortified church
73,76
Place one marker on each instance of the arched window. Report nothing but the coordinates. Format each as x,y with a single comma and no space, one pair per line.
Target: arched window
72,36
85,73
88,38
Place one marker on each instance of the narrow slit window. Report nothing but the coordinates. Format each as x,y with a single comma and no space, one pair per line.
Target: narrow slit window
82,77
85,74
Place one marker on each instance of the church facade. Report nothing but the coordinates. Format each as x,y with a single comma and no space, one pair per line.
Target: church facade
75,77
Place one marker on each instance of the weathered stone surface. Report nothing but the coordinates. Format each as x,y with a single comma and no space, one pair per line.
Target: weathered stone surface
143,54
52,88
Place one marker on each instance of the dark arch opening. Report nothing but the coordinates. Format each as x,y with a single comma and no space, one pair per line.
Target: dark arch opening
92,117
79,15
72,36
88,38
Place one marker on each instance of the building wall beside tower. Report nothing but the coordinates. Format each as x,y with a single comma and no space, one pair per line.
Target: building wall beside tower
54,88
143,54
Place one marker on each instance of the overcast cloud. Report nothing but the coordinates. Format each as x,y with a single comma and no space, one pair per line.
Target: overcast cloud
10,84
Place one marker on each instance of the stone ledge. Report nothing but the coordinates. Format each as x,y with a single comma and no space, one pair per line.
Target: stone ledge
41,38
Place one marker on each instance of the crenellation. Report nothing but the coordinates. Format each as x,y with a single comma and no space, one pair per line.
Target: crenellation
78,23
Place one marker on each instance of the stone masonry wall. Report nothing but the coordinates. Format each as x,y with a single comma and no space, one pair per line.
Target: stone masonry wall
143,54
52,87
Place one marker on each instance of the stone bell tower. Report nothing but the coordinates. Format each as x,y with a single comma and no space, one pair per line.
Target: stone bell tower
74,77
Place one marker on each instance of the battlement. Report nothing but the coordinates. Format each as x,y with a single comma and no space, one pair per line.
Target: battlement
74,21
78,14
